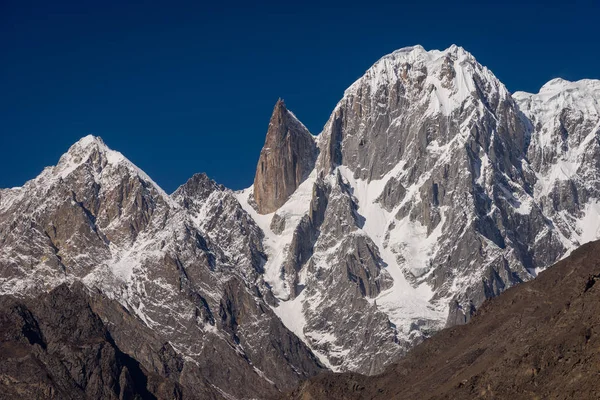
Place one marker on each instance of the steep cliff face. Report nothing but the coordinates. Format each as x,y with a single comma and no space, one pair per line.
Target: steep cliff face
565,155
413,100
285,161
432,144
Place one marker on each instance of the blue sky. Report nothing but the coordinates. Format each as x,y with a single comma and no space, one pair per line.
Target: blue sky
185,87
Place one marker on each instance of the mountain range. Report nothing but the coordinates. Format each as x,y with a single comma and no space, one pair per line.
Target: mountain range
430,189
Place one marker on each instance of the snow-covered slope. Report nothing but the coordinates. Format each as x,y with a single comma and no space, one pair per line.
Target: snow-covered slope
565,155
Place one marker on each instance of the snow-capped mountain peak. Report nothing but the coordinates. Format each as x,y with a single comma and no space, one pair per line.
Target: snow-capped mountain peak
429,163
443,80
101,160
187,267
558,94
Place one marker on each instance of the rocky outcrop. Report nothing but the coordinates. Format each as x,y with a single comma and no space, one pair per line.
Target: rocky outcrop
305,236
285,161
393,193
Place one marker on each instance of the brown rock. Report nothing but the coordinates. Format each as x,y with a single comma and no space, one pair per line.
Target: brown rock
285,161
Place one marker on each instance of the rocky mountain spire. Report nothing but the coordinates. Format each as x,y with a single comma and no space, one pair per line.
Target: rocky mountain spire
285,161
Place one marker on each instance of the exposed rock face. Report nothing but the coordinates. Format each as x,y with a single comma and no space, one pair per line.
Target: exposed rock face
277,224
285,161
453,116
539,339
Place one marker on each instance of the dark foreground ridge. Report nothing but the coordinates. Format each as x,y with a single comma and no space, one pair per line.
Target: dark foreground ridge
57,347
538,340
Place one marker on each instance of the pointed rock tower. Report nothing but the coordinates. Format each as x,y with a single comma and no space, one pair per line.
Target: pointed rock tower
285,161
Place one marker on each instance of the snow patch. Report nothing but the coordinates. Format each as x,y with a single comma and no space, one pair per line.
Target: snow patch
589,225
403,302
276,246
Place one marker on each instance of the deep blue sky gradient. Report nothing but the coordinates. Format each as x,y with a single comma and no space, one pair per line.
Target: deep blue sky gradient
185,87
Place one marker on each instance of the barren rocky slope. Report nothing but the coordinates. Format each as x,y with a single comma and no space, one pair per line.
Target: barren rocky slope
57,347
